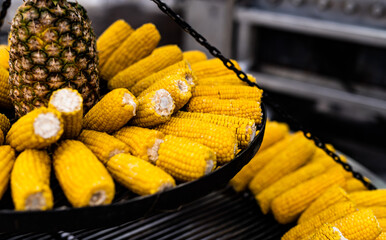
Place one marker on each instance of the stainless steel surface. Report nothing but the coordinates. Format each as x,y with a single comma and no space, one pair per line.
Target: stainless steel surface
319,27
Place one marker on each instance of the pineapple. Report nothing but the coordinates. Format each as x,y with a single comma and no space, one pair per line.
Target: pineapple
52,46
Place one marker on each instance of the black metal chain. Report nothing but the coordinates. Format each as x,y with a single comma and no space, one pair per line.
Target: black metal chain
4,9
267,98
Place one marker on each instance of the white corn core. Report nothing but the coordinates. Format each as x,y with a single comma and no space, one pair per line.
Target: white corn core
152,152
66,101
46,125
182,86
253,134
165,186
98,198
115,152
128,100
189,79
209,166
341,236
35,201
164,104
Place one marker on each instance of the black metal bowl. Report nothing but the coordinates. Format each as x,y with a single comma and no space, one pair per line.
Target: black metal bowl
126,206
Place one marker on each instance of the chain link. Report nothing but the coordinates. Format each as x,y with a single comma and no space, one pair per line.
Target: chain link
267,98
4,9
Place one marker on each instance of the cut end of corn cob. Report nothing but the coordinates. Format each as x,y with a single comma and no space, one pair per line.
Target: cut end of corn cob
35,201
152,152
66,100
47,125
129,100
98,198
336,230
164,105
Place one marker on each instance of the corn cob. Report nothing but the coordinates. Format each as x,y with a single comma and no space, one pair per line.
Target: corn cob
288,206
142,142
138,175
220,139
321,153
70,104
382,222
37,129
274,132
328,232
382,236
178,88
329,215
111,39
184,159
369,198
154,108
112,112
212,68
265,197
232,107
360,225
194,56
102,145
32,191
5,124
331,196
229,92
230,79
379,212
137,46
1,138
290,159
159,59
7,159
5,100
244,128
181,68
4,56
246,174
354,185
84,180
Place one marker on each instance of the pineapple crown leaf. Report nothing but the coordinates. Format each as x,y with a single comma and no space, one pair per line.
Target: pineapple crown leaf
55,2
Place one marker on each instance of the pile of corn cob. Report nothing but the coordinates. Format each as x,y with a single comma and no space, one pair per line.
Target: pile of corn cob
136,134
294,180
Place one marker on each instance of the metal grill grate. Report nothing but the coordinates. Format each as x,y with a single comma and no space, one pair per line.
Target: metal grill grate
219,215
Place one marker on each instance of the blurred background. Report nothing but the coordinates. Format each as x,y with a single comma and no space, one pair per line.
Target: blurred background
324,60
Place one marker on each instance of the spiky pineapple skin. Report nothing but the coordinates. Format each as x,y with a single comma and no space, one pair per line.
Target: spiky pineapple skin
53,46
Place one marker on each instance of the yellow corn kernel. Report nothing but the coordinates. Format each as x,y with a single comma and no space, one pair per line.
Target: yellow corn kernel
331,196
230,79
220,139
382,222
328,232
5,124
212,68
37,129
138,175
4,56
289,205
369,198
244,128
181,68
70,104
294,156
246,174
274,132
30,181
83,178
103,145
112,112
379,212
160,58
137,46
7,159
354,185
184,159
5,100
154,108
232,107
178,88
194,56
111,39
265,197
359,225
382,236
329,215
229,92
142,142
